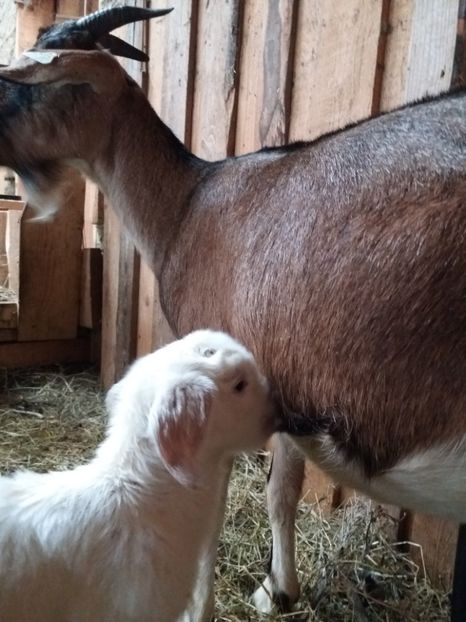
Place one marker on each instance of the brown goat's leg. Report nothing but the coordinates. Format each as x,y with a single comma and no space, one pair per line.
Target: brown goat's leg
281,586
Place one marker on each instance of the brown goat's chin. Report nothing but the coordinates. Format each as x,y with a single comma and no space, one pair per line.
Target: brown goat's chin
47,189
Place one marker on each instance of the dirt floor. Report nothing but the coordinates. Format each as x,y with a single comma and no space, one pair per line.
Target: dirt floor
54,418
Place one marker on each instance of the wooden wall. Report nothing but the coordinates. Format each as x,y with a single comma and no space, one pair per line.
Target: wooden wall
43,326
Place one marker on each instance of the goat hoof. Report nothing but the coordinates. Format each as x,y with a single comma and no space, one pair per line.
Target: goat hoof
265,598
262,597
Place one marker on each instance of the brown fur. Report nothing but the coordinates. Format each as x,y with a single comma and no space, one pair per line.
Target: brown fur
341,263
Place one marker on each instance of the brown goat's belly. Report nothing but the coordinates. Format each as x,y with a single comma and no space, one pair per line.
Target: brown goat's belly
432,481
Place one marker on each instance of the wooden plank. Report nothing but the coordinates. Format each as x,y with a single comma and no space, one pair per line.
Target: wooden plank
319,488
31,16
13,246
8,334
335,63
169,48
10,204
93,216
437,541
127,305
90,6
50,259
90,315
420,50
26,354
153,328
7,36
8,315
67,9
263,75
110,296
213,124
3,255
146,310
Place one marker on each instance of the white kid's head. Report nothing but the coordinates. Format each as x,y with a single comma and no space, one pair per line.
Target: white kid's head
199,397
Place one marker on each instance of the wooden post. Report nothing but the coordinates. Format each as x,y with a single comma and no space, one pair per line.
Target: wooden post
3,253
31,16
263,75
12,242
50,268
420,50
110,297
213,125
335,62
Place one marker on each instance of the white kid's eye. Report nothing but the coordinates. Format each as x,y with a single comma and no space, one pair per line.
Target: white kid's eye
208,352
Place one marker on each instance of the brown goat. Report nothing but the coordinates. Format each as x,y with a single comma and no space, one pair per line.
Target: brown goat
340,263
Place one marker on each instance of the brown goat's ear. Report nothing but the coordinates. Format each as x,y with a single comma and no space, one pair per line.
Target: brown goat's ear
60,67
181,420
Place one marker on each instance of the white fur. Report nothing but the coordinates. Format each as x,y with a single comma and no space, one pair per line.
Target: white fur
431,481
121,539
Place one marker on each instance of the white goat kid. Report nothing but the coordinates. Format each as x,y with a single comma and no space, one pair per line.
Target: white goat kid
120,539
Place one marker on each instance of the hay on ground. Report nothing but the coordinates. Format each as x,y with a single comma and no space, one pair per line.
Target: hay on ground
54,418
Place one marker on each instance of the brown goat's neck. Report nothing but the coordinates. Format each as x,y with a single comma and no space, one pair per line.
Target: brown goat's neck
148,177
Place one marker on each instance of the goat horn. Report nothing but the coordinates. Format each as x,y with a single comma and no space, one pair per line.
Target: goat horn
102,22
118,47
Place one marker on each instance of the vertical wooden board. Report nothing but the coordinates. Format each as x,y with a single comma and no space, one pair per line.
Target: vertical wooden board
50,260
7,31
68,9
12,248
318,487
3,255
263,70
213,124
169,49
146,310
34,353
335,62
93,216
437,539
90,315
110,296
90,6
127,305
30,17
420,50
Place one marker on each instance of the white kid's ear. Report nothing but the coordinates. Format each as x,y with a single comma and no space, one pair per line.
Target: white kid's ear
181,421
